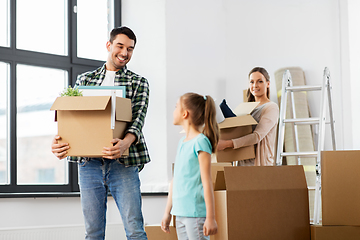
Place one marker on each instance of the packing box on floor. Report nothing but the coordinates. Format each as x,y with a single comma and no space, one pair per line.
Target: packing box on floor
89,123
262,203
218,167
340,190
235,127
319,232
155,233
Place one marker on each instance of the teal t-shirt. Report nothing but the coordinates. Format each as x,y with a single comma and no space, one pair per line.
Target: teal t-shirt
188,194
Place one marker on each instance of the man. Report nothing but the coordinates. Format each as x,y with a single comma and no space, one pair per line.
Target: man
114,172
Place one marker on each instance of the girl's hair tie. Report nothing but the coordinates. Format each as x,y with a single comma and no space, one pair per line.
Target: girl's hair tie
205,98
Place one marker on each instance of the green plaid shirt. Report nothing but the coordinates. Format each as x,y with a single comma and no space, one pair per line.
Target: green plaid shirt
137,89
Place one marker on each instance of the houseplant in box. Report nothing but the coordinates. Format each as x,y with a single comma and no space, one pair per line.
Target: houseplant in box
71,92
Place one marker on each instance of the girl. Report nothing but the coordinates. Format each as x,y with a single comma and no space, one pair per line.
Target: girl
191,197
266,114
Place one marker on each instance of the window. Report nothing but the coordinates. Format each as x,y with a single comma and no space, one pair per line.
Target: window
30,26
35,124
86,23
4,23
4,79
41,52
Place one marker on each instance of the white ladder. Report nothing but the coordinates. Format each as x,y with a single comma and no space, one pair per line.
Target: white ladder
325,89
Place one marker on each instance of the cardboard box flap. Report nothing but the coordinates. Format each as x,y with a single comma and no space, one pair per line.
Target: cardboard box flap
245,108
265,178
81,103
123,109
216,167
237,122
220,181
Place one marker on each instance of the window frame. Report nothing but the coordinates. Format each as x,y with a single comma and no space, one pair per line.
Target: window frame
70,63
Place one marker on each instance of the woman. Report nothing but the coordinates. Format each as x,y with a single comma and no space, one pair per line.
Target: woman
266,114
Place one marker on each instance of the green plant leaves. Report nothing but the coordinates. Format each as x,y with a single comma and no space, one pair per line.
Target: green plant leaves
71,92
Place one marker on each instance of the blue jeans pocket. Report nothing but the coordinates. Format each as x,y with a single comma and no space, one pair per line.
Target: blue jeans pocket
83,162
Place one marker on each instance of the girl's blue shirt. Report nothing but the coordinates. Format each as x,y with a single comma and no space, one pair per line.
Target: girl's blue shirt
188,194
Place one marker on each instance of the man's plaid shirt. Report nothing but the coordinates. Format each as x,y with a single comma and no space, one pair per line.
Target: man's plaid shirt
137,89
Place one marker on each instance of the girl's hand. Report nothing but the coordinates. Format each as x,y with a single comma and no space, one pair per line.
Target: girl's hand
165,222
210,227
222,144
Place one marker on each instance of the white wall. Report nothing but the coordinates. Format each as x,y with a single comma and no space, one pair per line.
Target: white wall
354,59
212,45
147,20
209,46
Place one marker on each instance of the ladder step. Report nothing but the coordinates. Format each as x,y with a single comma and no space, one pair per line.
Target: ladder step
300,154
303,88
302,120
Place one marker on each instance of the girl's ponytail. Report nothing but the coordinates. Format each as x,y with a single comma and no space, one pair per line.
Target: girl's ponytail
211,129
202,111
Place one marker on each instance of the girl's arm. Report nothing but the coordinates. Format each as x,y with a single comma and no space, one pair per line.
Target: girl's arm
165,222
210,226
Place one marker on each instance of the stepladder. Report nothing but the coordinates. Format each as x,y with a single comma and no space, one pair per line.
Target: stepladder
288,117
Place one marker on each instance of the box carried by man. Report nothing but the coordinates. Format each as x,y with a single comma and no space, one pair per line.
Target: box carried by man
89,123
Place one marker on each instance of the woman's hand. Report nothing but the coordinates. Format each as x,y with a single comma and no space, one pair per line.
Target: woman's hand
210,227
222,144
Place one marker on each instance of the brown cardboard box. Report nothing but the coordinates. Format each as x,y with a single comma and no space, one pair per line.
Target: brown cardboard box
236,127
340,188
319,232
155,233
218,167
262,203
85,122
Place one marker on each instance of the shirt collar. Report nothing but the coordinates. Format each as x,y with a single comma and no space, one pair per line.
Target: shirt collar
123,70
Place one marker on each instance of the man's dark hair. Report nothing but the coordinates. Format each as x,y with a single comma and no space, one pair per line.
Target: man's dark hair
122,30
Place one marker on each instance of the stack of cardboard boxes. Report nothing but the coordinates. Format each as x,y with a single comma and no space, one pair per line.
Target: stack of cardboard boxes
254,203
257,202
340,180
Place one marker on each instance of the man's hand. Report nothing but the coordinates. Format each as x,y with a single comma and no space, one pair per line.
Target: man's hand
59,149
120,146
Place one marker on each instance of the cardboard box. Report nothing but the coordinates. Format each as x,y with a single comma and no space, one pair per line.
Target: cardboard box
319,232
85,122
340,188
262,203
236,127
155,233
218,167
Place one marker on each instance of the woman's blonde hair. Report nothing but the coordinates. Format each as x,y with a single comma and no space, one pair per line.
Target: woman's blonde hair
202,112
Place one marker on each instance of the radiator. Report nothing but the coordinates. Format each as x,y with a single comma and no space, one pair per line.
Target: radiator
113,232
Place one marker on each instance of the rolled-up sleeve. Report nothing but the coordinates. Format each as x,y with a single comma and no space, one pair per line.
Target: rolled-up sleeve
268,120
139,103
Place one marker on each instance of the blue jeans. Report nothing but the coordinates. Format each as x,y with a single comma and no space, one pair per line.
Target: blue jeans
190,228
96,178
